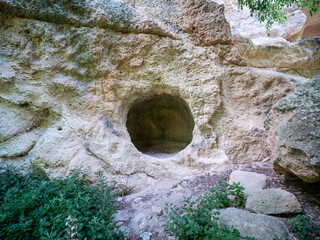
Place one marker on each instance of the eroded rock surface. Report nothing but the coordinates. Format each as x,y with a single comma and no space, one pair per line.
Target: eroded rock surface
300,58
245,25
294,128
71,71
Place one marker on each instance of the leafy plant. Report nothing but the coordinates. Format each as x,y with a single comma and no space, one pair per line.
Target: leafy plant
303,228
71,228
197,219
33,207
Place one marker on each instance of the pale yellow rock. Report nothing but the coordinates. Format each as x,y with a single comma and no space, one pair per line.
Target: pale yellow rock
73,79
244,25
295,58
18,146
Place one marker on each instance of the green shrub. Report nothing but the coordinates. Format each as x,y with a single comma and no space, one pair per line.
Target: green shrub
197,219
33,207
303,228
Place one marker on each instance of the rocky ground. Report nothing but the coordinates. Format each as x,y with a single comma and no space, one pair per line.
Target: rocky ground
142,214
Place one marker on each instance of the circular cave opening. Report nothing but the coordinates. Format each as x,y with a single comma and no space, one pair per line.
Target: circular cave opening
161,124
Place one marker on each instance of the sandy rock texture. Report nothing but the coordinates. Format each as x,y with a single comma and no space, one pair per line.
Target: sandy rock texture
294,132
71,71
293,58
244,25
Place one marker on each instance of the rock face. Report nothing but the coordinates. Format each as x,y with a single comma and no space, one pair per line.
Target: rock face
70,72
294,128
257,226
301,57
203,21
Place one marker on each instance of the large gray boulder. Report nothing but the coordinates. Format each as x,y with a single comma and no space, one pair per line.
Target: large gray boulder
258,226
294,132
273,201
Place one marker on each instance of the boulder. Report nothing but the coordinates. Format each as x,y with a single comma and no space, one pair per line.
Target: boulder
258,226
251,181
243,24
292,29
294,132
273,201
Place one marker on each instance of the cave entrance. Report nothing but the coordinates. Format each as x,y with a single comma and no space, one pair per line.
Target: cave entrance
161,124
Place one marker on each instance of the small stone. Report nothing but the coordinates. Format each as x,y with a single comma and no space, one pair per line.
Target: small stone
267,159
137,200
118,224
145,235
136,62
273,201
184,183
180,189
157,211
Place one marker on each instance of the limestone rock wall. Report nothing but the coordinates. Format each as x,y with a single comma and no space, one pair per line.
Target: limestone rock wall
71,71
295,132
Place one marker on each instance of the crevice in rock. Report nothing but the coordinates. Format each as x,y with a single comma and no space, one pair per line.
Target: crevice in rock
86,145
137,172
